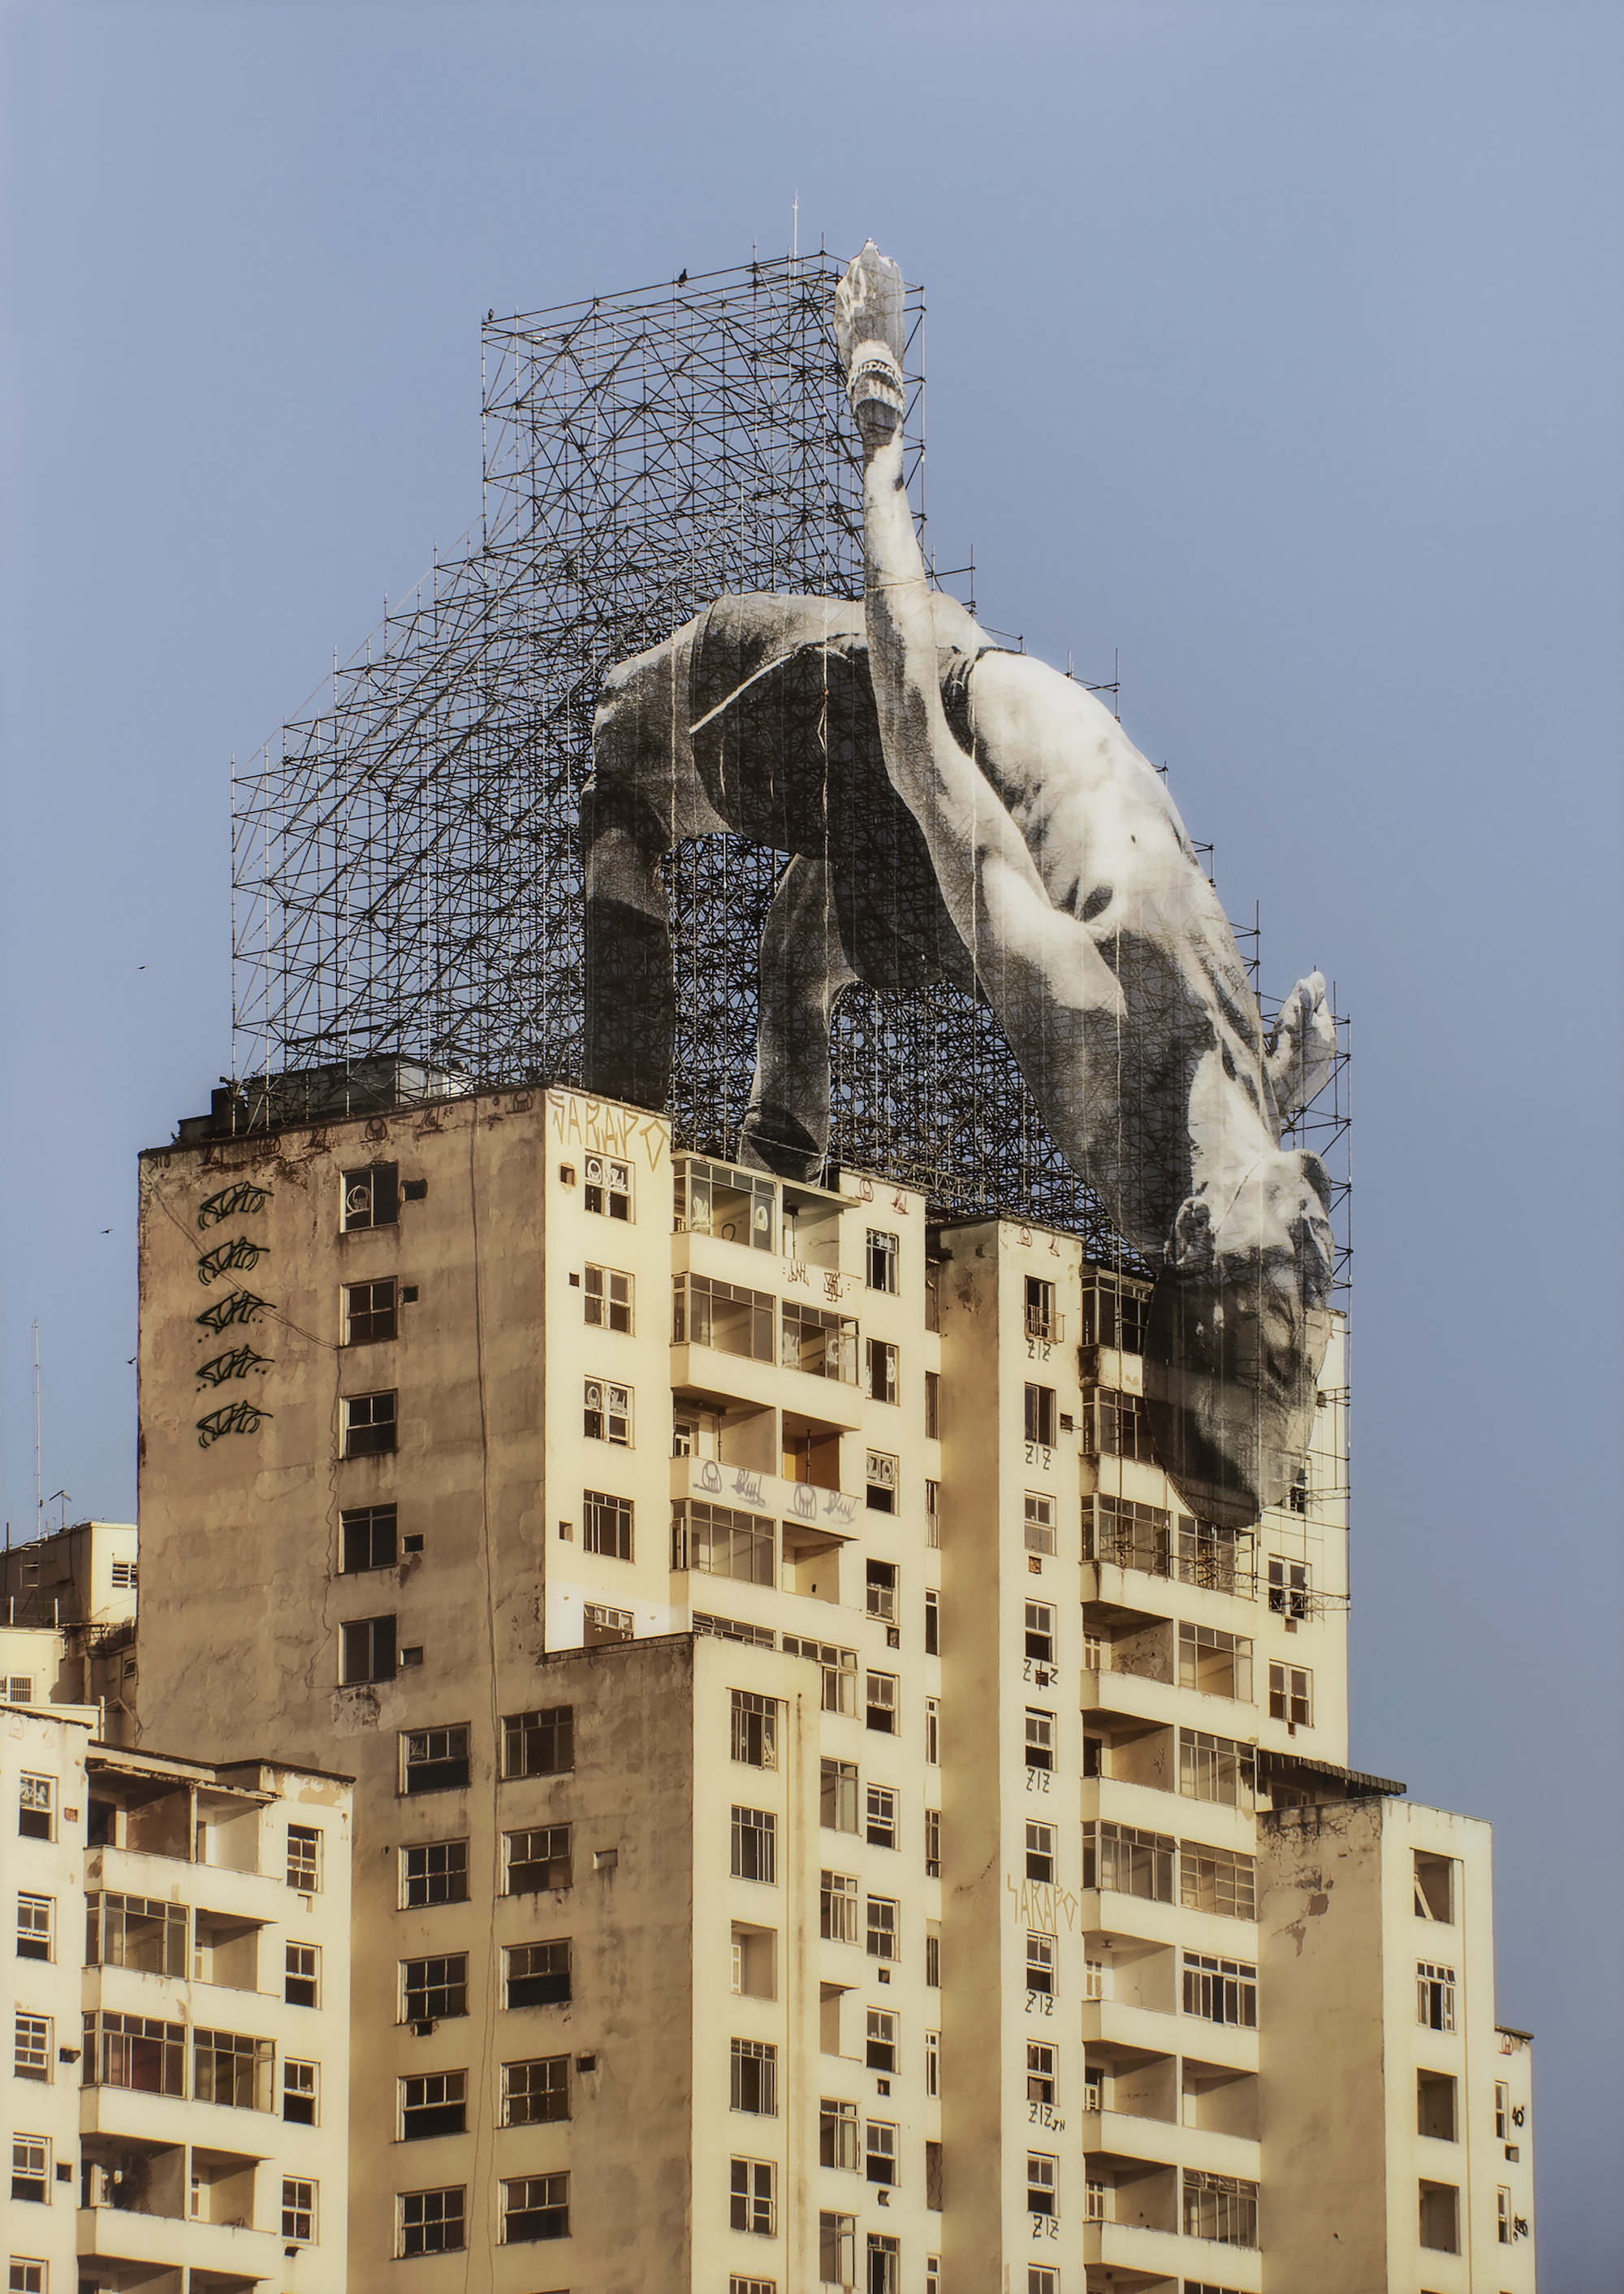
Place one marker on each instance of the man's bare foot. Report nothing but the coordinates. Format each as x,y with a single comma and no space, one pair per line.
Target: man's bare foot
869,331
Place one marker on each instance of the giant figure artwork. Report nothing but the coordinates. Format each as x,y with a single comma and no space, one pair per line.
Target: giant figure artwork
954,809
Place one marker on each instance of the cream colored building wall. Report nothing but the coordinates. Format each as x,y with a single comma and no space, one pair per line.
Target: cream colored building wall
1343,2045
51,1746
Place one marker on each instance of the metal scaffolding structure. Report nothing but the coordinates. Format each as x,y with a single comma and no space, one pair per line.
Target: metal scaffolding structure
406,864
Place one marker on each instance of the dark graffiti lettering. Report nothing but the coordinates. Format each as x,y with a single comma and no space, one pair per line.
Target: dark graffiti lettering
242,1200
238,1418
240,1306
238,1363
238,1252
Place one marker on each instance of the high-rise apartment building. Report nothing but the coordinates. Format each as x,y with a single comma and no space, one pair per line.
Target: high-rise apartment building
178,2082
825,1815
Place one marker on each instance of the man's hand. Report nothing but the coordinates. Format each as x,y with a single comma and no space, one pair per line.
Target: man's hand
1303,1048
869,333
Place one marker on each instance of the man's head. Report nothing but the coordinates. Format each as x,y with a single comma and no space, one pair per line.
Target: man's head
1238,1329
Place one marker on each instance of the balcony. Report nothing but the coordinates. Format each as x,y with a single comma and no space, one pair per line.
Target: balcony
750,1490
1139,2256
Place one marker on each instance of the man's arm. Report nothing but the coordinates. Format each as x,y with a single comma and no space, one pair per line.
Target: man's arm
1021,946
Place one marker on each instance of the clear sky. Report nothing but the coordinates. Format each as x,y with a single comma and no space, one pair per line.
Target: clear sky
1278,346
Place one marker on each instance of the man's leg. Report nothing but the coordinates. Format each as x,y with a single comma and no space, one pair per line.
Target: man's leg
804,967
642,798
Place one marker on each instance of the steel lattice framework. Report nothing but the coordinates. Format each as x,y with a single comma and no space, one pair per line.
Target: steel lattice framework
407,871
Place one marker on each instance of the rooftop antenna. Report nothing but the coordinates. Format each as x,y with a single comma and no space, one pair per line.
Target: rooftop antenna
38,1501
795,224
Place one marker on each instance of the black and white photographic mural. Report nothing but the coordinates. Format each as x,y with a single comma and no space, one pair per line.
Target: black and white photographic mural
955,810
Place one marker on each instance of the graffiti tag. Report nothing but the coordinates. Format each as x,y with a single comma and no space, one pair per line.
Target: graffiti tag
238,1252
238,1363
238,1307
236,1418
242,1200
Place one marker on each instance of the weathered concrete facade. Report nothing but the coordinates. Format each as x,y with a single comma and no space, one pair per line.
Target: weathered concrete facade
816,1793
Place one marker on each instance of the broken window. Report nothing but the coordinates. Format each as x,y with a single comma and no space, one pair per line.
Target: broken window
754,1728
1435,2106
839,1668
606,1299
755,1845
368,1649
1215,1662
1040,1412
369,1424
884,1257
1127,1535
733,1205
1115,1312
538,1975
537,2093
810,1338
881,1377
1434,1887
434,1760
366,1535
880,1579
837,2134
837,1796
1441,2217
1041,1319
606,1412
754,2078
536,2207
1040,2072
608,1187
933,1406
1289,1588
372,1197
434,2103
1434,1995
537,1859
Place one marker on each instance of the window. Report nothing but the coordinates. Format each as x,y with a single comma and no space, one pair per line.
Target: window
733,1205
540,1743
1041,1319
1040,2183
430,2221
433,1989
36,1927
302,1978
537,2091
933,1731
882,2042
1219,1558
304,1858
1040,1522
880,1482
933,1406
372,1197
1216,1880
605,1525
1215,1662
754,2080
883,1258
298,2211
31,2168
367,1539
136,2053
606,1412
1040,1416
1041,2279
31,2047
933,1844
1502,2112
1127,1535
367,1651
933,1622
1040,1738
884,1920
723,1542
434,1873
1291,1688
821,1343
1040,2072
1441,2217
737,2285
933,2064
434,1760
28,2277
1040,1962
879,2151
1094,1979
837,2134
1434,1995
36,1808
933,1515
884,2264
1040,1851
880,1580
755,1845
837,2251
881,1701
753,2202
18,1687
754,1728
301,2092
1115,1426
1289,1588
537,1859
230,2068
1220,2207
369,1424
734,1320
1222,1990
369,1312
881,1381
1434,1888
608,1187
1040,1632
880,1828
1435,2106
837,1796
1131,1862
840,1668
1213,1767
606,1299
836,1907
538,1975
124,1576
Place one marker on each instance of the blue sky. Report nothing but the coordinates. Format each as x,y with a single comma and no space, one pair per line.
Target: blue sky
1277,346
